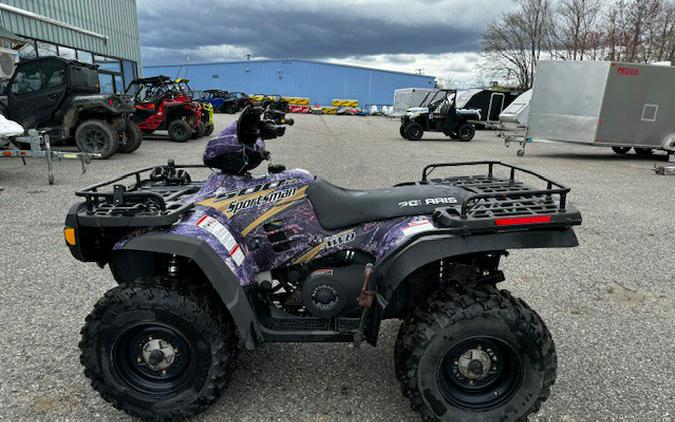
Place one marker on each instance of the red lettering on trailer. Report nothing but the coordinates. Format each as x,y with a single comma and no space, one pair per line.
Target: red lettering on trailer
627,71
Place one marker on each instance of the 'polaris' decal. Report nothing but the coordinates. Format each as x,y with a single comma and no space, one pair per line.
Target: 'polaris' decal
428,201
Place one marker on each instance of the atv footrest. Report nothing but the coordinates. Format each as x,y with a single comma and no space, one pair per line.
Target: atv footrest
305,329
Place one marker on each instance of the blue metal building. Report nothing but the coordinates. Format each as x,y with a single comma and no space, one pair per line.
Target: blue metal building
321,82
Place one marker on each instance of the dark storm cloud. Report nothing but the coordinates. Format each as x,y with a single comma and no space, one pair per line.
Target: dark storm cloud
318,30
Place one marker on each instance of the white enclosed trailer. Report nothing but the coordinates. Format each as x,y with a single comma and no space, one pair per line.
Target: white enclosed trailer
406,98
518,110
612,104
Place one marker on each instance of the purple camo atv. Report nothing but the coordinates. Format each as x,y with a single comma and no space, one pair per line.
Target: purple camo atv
208,267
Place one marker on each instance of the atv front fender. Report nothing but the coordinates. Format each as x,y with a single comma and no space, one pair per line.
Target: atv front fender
432,246
223,280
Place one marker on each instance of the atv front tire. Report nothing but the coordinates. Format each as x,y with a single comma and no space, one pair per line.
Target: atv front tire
97,136
180,131
414,131
158,351
466,132
480,354
134,137
208,130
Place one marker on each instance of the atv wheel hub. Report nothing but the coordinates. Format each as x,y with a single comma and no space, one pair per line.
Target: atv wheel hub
158,354
474,364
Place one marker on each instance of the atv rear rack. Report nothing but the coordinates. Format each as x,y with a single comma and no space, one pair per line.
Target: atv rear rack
158,200
502,202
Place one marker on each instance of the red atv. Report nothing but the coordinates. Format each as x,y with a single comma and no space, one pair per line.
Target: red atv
160,105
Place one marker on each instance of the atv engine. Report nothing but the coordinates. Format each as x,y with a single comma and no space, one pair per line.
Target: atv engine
329,292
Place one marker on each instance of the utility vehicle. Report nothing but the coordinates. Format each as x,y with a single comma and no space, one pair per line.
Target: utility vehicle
286,256
160,105
206,126
64,97
438,113
224,101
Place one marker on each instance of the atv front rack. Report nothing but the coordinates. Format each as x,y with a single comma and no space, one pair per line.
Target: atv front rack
498,202
158,200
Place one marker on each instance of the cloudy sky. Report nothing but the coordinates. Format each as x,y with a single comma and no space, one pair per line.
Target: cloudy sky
441,37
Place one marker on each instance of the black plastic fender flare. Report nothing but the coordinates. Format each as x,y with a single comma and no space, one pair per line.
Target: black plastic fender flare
224,282
430,247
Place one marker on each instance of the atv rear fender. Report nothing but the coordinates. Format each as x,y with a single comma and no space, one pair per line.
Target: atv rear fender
428,247
126,267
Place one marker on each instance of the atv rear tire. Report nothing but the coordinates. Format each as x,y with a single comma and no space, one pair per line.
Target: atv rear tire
481,354
466,132
97,136
621,150
180,131
198,132
414,131
228,108
158,350
208,130
134,137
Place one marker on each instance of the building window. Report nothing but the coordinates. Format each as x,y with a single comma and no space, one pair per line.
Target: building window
45,49
85,57
105,80
28,51
108,64
67,53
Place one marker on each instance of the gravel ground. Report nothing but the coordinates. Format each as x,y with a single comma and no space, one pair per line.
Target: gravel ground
609,303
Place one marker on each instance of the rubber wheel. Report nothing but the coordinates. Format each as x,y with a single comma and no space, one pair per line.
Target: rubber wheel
97,136
480,354
208,130
621,150
643,152
133,136
401,131
466,132
228,108
180,131
414,131
158,350
198,132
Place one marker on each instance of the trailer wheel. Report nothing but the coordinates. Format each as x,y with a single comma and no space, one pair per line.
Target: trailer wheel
414,132
621,150
466,132
520,152
643,152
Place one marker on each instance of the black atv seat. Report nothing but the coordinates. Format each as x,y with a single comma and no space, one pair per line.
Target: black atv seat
338,208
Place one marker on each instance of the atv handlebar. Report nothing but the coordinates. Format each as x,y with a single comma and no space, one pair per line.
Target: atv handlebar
256,122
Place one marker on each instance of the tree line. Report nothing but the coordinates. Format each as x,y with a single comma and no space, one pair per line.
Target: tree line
640,31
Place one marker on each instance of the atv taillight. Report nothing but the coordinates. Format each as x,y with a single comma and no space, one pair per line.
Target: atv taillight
516,221
110,102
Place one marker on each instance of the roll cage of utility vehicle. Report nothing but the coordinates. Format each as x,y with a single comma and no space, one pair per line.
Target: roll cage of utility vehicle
62,95
162,104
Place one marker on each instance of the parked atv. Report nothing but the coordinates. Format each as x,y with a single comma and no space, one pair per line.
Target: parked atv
290,257
64,96
438,113
161,106
224,101
273,102
206,126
